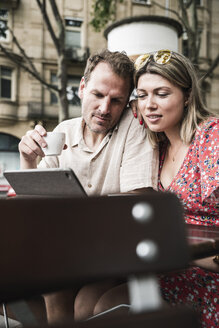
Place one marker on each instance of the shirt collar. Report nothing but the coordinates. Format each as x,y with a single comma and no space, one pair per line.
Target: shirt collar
78,134
79,138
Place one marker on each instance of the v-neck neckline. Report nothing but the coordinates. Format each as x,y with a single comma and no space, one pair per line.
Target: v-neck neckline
181,166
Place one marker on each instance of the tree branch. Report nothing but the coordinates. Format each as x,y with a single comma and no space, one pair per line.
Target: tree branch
198,44
188,3
22,51
48,24
61,27
10,55
196,30
184,23
214,64
185,17
56,13
27,69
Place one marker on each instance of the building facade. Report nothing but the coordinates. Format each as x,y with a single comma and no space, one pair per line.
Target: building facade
25,102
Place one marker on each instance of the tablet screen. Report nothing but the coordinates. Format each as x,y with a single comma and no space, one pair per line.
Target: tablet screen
45,182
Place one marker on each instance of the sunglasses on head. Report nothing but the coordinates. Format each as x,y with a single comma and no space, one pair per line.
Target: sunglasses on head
160,57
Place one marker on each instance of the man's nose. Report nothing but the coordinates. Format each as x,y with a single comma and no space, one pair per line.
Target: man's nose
105,106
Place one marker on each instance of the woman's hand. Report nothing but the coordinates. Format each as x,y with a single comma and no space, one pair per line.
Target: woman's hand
135,111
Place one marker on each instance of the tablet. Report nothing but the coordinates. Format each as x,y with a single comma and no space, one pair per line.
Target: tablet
45,182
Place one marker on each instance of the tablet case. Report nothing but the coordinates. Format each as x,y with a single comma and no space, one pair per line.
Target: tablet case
45,182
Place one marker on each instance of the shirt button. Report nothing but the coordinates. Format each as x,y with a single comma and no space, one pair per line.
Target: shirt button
89,185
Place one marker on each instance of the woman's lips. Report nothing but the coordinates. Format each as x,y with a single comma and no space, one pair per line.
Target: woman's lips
153,118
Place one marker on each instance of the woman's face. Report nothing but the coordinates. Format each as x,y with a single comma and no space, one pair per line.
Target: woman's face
160,102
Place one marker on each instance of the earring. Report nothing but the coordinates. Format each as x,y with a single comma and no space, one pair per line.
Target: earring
186,105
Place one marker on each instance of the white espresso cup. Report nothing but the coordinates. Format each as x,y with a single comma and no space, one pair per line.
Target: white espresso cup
55,143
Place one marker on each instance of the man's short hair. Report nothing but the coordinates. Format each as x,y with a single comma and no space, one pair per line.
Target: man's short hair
118,61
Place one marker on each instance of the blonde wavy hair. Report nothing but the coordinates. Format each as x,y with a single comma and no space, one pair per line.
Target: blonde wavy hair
180,72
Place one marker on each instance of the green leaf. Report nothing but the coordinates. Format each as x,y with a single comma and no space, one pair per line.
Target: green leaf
103,12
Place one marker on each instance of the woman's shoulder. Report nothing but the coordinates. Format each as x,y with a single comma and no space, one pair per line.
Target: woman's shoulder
210,123
208,128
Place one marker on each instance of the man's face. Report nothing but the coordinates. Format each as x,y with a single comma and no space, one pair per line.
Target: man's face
103,99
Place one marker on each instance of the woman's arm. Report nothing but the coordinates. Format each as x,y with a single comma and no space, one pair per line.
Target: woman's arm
208,263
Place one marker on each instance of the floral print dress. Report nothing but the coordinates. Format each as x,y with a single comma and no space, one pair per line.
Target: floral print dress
196,185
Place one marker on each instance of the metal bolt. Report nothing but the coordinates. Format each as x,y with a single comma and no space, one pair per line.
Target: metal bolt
142,212
147,250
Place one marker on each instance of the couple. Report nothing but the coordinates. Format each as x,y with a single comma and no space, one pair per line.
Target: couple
111,152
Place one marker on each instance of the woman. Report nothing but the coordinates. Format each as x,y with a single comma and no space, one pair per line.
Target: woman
186,133
168,98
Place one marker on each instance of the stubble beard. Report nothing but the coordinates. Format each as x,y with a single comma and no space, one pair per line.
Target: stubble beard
100,128
98,131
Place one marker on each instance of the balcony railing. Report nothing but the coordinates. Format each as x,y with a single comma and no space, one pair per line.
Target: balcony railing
8,111
77,54
7,4
35,110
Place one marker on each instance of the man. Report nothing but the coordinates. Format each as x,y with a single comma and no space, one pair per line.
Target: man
106,147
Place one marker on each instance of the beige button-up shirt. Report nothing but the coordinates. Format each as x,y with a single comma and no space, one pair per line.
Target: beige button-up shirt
124,160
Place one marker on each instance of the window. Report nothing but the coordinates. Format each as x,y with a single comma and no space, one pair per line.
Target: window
73,33
144,2
198,2
72,90
73,39
4,33
9,155
8,142
185,49
53,96
5,82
